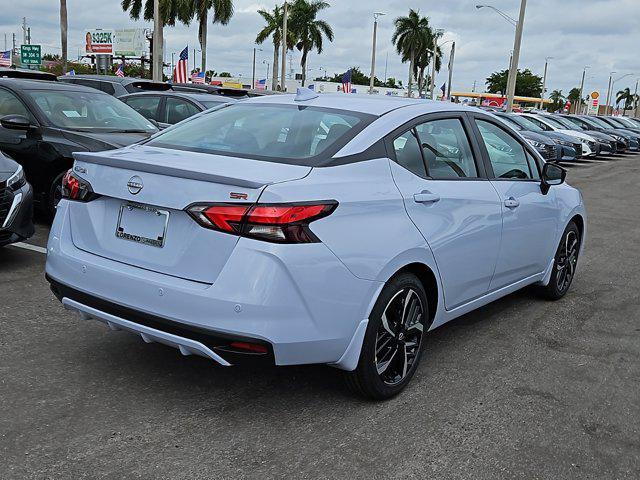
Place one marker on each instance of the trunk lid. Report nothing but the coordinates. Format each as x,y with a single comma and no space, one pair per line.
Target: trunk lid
166,181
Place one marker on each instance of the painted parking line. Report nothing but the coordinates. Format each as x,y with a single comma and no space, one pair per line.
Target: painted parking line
27,246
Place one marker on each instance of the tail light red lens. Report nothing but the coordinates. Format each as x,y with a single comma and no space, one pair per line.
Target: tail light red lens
279,223
74,188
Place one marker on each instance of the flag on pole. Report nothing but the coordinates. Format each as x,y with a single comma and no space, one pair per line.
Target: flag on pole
5,58
180,72
197,77
443,89
346,81
71,72
120,71
261,84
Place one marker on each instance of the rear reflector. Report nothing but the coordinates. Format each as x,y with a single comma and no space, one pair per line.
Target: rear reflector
251,347
279,223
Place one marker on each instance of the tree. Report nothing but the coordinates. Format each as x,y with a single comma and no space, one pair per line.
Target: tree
527,84
63,33
273,29
422,62
557,101
199,9
627,97
308,30
410,37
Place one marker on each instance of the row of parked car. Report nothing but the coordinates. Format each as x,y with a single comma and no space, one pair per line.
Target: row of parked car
44,119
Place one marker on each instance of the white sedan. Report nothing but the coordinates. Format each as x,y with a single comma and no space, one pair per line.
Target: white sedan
550,124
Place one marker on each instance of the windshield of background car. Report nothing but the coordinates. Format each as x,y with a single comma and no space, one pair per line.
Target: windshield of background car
99,112
509,121
567,123
600,123
525,123
549,119
291,134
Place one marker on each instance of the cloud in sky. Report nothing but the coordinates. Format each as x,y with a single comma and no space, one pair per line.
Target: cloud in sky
601,33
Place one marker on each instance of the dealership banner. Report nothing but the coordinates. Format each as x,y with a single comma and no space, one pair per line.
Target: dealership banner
99,41
130,42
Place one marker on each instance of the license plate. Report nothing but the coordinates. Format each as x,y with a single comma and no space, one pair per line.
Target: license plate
142,224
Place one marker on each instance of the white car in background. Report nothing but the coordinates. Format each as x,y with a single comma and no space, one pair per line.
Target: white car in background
550,124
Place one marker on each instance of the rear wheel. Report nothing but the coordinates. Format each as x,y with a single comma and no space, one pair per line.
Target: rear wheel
393,342
566,261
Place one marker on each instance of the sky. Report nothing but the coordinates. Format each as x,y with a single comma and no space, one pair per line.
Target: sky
603,34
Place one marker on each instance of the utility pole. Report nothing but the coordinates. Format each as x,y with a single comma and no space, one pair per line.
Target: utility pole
606,107
544,81
579,106
438,33
157,43
513,71
24,30
28,35
253,71
451,57
283,71
373,51
635,100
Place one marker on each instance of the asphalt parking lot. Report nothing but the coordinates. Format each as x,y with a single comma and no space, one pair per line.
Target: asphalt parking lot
522,388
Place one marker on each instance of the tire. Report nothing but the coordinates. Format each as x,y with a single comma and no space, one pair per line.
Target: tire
55,194
396,329
565,264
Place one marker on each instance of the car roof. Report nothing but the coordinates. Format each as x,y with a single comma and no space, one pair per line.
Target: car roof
371,104
13,72
26,84
107,78
197,96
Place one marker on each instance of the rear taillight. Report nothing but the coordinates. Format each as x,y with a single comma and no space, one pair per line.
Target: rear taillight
279,223
74,188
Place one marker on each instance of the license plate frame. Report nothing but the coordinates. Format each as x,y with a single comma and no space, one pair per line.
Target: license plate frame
142,238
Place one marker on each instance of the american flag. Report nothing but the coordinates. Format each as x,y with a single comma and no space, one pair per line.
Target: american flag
261,84
120,71
5,58
197,77
346,81
180,72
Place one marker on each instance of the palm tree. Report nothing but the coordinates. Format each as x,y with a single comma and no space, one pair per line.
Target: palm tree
557,98
199,9
63,33
273,29
308,30
423,60
410,37
627,97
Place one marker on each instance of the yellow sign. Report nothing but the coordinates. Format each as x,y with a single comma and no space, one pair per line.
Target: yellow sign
595,95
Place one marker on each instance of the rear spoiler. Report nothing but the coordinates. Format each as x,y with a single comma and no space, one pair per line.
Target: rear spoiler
154,86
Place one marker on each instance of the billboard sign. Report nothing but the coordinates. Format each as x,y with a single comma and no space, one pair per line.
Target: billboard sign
129,42
99,42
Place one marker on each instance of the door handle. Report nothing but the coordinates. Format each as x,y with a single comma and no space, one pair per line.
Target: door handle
426,196
511,203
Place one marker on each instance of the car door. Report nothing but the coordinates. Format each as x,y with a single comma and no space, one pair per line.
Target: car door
450,200
21,145
146,105
178,109
529,216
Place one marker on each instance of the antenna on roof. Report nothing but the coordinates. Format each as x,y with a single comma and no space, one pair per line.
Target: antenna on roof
303,94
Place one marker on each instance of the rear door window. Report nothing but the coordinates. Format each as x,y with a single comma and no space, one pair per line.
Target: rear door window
146,105
177,110
446,149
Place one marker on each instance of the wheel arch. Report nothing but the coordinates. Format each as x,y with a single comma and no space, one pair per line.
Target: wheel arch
429,281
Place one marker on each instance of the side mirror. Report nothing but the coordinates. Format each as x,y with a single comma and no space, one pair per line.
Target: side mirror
15,122
552,174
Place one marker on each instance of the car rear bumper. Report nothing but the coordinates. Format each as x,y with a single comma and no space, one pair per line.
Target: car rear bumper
300,300
16,215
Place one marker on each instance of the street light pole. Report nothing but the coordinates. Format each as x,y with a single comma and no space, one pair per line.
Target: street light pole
544,81
579,106
157,42
283,71
611,84
438,33
513,71
451,57
253,70
606,107
373,51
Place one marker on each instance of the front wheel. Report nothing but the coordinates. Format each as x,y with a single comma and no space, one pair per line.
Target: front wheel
393,342
564,266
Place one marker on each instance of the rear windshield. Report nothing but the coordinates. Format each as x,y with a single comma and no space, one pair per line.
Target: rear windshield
299,135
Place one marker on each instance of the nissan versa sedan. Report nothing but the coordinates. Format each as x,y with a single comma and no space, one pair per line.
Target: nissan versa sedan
308,228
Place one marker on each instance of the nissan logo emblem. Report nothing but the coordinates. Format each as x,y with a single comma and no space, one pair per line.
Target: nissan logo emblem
135,185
